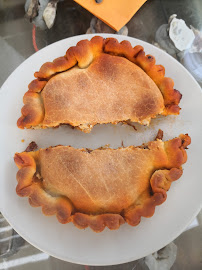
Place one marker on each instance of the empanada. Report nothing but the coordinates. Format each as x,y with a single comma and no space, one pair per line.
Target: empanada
98,82
102,187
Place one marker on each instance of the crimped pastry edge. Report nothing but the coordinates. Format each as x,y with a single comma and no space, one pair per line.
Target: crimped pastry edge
83,54
62,207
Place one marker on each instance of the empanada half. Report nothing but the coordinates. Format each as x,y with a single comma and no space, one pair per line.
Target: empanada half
102,187
97,82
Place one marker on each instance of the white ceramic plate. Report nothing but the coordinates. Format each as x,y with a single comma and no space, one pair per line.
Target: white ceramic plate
109,247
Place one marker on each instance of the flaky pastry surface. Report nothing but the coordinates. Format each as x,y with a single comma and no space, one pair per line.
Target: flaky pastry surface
102,187
99,81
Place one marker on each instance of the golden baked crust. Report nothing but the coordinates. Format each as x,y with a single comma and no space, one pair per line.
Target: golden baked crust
102,187
99,81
